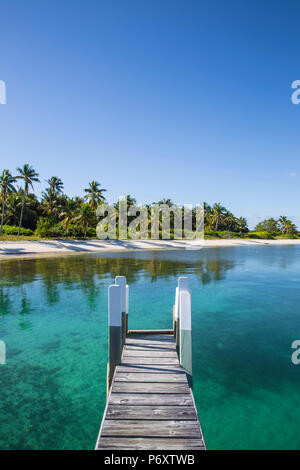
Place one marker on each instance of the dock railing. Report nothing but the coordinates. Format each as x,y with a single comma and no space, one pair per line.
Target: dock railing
182,324
118,307
150,403
118,303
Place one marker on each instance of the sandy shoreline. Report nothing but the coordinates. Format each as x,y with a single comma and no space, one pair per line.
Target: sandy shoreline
9,249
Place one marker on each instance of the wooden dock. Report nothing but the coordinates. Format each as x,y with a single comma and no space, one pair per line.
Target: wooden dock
150,404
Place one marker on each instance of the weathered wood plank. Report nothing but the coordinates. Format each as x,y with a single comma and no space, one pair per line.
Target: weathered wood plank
151,339
149,360
146,353
149,387
150,332
148,340
149,377
148,368
150,347
150,405
137,443
187,429
150,398
151,412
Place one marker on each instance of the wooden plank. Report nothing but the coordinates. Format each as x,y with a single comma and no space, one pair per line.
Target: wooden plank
149,360
195,408
155,345
150,332
150,340
187,429
150,398
149,347
151,412
146,353
149,377
148,387
150,405
137,443
148,368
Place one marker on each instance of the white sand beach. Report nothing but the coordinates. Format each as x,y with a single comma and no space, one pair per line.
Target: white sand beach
56,247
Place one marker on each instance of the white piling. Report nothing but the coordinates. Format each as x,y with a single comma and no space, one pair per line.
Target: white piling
114,331
127,310
121,281
183,284
185,329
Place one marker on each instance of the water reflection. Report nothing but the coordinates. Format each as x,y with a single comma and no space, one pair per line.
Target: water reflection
89,273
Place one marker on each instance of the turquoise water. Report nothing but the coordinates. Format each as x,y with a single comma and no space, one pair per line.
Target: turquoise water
245,302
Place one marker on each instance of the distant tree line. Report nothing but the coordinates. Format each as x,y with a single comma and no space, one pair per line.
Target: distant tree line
55,214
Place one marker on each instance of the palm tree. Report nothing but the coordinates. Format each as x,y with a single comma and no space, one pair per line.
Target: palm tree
94,194
207,213
51,203
286,225
128,201
7,187
217,215
68,214
48,202
242,225
167,202
78,200
55,185
131,201
13,207
290,228
230,221
85,217
28,175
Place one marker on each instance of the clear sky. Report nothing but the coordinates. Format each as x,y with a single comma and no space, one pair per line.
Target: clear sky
183,99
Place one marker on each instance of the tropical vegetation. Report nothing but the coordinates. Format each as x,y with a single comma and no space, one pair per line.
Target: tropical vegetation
54,214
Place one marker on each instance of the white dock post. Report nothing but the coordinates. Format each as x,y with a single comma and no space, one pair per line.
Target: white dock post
185,329
183,283
176,316
114,331
121,281
127,310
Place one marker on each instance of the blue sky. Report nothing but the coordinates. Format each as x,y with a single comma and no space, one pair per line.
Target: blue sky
183,99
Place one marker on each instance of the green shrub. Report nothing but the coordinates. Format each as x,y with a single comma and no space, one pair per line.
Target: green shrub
45,227
209,233
268,225
91,232
74,231
13,230
227,234
288,236
261,235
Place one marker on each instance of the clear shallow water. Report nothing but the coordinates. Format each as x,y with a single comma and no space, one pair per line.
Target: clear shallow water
53,318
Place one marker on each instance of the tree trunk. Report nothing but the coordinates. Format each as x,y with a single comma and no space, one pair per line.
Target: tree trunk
85,230
2,217
21,217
